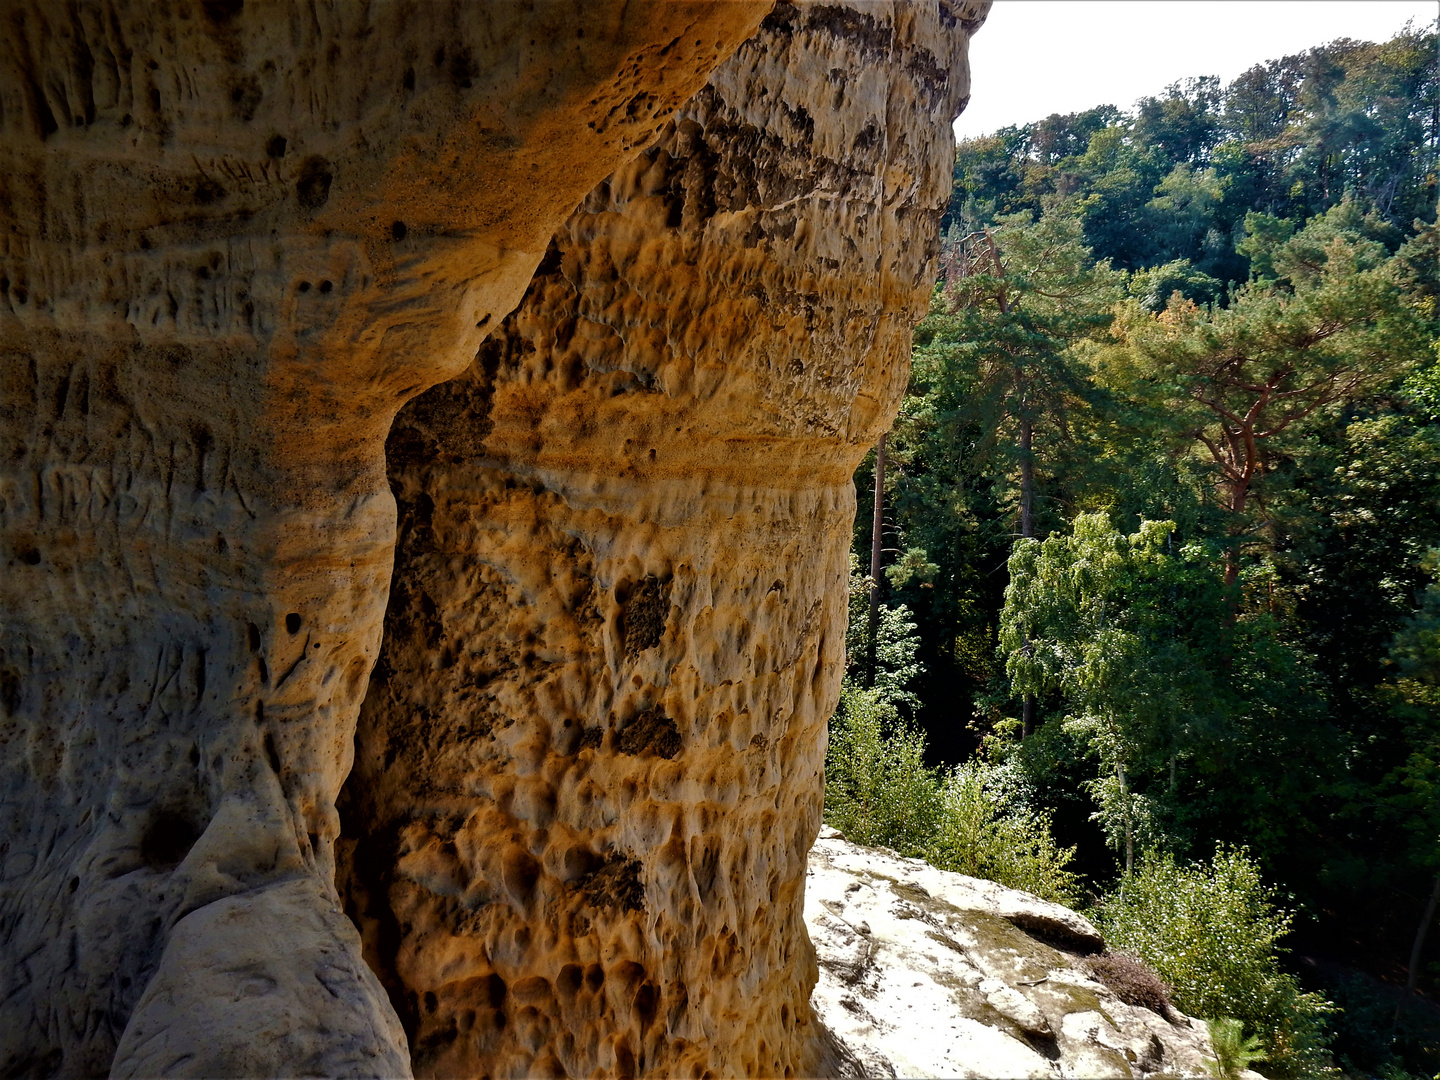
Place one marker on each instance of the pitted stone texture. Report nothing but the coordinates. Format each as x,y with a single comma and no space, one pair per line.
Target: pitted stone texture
589,765
234,239
928,973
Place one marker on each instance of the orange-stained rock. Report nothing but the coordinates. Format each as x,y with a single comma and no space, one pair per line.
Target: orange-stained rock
235,238
589,764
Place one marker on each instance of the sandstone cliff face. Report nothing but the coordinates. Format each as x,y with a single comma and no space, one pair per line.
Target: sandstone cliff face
589,765
237,239
234,240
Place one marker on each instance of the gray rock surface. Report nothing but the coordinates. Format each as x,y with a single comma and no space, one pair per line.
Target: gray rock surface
265,983
928,973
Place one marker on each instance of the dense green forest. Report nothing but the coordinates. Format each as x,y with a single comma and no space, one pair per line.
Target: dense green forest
1156,599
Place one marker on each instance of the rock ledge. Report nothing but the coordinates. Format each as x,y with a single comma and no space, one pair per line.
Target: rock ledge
929,973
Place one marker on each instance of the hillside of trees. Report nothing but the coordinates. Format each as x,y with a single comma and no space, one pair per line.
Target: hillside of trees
1160,552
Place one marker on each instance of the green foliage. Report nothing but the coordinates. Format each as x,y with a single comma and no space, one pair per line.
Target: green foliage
994,356
1184,214
1234,1050
987,832
1211,932
878,790
913,565
1412,790
1176,178
896,643
1379,1030
1264,234
1154,287
1090,616
1231,446
1423,388
972,819
1416,652
1242,384
981,378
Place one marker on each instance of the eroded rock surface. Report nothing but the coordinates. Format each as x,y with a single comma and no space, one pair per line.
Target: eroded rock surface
235,238
588,768
928,973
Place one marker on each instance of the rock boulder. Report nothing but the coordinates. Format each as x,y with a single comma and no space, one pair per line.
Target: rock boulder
235,238
929,973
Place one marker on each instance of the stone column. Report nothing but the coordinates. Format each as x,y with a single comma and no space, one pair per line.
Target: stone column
589,765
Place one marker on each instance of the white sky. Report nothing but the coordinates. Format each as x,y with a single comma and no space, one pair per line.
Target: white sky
1037,57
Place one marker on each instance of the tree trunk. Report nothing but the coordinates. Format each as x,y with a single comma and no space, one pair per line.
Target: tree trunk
1239,498
876,525
1027,480
1412,975
1027,531
1129,832
1412,978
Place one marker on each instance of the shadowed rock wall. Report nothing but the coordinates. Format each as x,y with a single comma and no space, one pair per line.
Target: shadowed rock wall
234,239
589,765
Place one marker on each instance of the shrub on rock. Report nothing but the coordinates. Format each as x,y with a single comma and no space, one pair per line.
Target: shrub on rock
1210,931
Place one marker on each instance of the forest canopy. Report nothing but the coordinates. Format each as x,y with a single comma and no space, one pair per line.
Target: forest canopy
1161,510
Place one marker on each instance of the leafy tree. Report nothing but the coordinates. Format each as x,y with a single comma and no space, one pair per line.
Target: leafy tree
1088,615
1280,226
1351,533
1017,297
986,831
993,392
1423,387
1211,931
893,644
1154,287
878,790
1414,694
1369,122
1201,723
1288,138
1331,328
1259,104
1184,125
1184,210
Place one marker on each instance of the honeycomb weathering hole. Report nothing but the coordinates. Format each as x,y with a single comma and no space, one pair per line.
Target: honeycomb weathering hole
168,838
644,615
651,732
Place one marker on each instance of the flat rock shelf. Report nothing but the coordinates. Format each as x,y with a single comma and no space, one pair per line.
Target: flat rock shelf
925,973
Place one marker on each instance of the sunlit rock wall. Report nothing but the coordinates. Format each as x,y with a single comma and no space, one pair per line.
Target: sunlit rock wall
589,765
234,239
